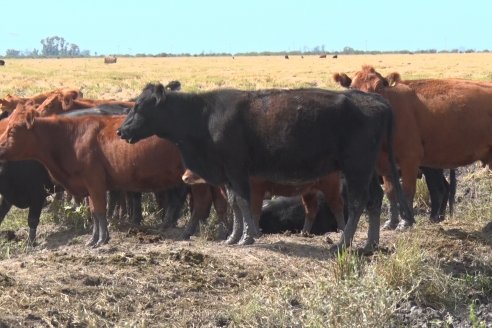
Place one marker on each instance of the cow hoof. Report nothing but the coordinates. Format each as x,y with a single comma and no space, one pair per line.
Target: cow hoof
91,242
232,240
404,225
389,225
246,240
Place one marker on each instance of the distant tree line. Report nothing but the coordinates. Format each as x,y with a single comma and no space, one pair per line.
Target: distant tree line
56,46
53,46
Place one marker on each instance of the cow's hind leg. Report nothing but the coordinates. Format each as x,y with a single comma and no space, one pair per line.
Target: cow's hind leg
376,195
202,202
4,208
33,217
438,191
240,187
175,200
310,203
392,222
100,232
237,223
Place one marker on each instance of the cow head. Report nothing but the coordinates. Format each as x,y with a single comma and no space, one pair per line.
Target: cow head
15,140
9,103
52,105
140,121
367,80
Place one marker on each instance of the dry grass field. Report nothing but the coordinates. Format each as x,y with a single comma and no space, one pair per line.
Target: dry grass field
435,275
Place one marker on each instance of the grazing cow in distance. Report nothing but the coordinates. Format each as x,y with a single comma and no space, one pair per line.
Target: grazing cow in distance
335,56
283,136
439,123
84,155
322,56
110,60
329,186
286,56
2,62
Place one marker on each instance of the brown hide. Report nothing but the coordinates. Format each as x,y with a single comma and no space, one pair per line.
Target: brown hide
86,157
9,103
438,123
59,103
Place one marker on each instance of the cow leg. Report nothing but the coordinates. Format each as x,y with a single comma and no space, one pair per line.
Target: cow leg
241,190
175,199
310,203
257,196
376,195
112,208
100,233
237,224
33,217
136,200
4,208
202,202
334,198
357,196
394,219
409,175
452,190
219,199
438,192
95,230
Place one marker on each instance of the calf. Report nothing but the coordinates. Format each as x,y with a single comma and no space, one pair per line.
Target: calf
282,214
84,155
283,136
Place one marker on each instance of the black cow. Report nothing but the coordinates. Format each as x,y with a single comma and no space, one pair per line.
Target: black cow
24,184
287,214
285,136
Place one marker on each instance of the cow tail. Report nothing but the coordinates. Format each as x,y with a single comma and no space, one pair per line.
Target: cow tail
404,207
452,190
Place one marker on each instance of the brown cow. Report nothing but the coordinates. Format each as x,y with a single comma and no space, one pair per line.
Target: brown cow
439,123
2,62
329,185
110,60
84,155
9,103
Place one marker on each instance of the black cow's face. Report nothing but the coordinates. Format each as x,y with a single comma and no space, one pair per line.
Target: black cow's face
140,123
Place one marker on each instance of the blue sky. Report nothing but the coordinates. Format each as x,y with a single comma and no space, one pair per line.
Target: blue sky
188,26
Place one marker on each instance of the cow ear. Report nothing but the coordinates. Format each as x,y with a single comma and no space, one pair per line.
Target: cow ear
30,118
67,102
160,93
393,79
342,79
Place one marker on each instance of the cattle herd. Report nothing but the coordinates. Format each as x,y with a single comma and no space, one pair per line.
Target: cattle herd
327,150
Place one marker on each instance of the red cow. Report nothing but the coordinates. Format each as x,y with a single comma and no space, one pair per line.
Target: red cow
329,185
9,103
84,155
439,123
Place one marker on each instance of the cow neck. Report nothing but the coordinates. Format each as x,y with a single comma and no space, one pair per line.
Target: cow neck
187,115
54,137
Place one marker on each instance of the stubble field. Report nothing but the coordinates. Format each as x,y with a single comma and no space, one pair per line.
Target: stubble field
435,275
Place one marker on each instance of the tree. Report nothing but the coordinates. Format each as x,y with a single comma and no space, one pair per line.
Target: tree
57,46
12,53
